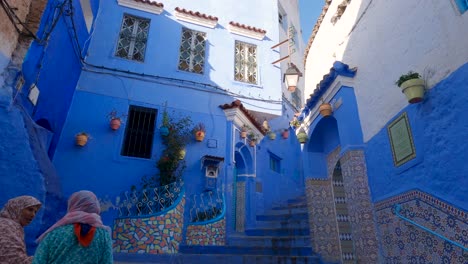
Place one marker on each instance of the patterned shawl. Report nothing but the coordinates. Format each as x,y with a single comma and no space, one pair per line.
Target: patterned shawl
12,246
83,207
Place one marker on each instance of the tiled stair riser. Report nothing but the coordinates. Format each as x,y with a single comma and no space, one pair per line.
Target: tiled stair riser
213,234
402,242
153,235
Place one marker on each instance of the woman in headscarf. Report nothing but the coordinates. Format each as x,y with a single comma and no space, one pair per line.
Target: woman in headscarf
15,215
79,237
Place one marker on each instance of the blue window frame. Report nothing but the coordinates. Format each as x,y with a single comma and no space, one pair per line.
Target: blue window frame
462,5
275,163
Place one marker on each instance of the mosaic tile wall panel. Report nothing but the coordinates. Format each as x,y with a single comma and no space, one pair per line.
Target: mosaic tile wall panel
361,214
213,234
402,242
322,219
240,207
153,235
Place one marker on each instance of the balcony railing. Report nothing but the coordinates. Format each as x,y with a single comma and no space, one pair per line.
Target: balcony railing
207,206
149,201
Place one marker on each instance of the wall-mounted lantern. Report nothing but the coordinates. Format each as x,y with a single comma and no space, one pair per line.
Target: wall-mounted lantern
291,77
211,166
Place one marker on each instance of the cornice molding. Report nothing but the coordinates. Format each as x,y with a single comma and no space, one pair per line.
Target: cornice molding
143,5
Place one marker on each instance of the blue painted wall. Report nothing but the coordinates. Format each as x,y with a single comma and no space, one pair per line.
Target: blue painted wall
326,134
440,127
120,83
54,64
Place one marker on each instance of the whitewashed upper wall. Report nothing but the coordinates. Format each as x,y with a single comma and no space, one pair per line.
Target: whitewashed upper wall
291,8
8,33
385,39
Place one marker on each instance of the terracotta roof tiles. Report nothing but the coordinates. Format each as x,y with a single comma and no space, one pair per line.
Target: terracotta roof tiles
258,30
150,2
196,13
238,104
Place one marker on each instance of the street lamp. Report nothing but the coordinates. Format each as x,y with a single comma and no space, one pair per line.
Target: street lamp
291,77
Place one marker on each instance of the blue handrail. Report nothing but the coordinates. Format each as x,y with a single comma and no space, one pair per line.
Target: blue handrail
397,213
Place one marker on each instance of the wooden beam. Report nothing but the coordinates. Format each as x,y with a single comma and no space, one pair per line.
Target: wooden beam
282,59
281,43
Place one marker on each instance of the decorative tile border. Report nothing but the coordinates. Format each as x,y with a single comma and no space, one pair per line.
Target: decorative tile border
402,242
213,234
153,235
322,219
240,207
359,205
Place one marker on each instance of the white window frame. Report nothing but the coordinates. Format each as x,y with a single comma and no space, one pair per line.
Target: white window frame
246,68
192,48
131,49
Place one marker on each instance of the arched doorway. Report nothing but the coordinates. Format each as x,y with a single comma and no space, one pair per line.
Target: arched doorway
243,168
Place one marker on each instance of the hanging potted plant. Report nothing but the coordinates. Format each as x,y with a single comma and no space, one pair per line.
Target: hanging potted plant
271,135
325,109
243,131
295,123
81,139
199,132
115,120
302,136
164,128
412,86
252,139
285,133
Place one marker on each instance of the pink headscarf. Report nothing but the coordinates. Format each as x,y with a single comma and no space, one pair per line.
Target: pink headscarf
13,208
83,207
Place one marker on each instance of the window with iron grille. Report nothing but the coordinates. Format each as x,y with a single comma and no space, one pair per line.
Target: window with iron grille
275,163
245,69
132,38
192,51
139,132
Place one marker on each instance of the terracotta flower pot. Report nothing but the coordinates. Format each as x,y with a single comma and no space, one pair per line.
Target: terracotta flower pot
199,135
285,134
243,134
81,139
115,123
252,143
325,109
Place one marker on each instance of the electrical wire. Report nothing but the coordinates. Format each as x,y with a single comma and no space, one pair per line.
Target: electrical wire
15,20
69,12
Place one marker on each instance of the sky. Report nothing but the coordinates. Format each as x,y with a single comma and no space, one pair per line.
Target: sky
309,11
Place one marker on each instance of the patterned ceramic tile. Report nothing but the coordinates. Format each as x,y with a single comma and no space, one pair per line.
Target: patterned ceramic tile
403,242
154,235
213,234
240,207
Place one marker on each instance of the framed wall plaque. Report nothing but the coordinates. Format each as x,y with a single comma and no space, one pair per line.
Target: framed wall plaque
401,140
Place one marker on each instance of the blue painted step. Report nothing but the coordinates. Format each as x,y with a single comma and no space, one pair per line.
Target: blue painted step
280,217
277,232
247,250
121,258
270,241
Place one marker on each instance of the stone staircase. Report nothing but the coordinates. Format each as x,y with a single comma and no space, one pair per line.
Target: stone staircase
281,236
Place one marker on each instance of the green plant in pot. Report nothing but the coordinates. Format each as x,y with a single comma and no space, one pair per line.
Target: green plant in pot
252,138
171,164
412,86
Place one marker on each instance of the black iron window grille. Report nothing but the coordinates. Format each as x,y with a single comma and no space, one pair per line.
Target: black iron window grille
192,51
245,69
132,38
139,132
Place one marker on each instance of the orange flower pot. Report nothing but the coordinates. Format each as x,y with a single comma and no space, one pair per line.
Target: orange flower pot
199,135
115,123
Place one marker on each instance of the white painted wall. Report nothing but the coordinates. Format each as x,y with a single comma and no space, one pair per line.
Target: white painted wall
291,8
385,40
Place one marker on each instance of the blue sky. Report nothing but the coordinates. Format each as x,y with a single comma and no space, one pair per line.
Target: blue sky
309,10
